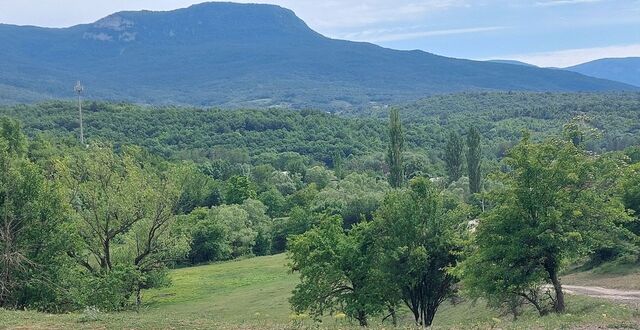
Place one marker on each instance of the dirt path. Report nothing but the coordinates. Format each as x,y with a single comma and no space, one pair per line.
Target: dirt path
598,292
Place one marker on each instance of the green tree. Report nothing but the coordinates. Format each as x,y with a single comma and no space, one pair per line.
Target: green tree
474,160
337,164
14,141
299,221
549,211
207,237
579,130
239,235
631,195
354,198
227,231
238,189
35,233
320,176
420,240
197,189
275,202
286,182
336,272
124,207
454,156
395,149
261,224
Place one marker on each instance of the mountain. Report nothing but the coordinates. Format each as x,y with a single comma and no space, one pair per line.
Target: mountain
512,62
626,70
242,55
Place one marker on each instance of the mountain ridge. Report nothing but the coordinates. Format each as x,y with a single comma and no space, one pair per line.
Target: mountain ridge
244,55
622,69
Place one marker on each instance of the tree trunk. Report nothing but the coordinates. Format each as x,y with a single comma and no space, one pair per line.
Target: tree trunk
107,254
414,307
362,318
513,308
557,287
394,318
430,314
138,298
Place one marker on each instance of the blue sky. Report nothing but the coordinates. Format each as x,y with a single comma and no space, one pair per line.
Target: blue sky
543,32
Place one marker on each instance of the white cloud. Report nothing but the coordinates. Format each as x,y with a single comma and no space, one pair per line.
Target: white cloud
564,2
340,14
384,35
570,57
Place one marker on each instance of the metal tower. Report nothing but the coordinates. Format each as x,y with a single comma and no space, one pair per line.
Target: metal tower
79,90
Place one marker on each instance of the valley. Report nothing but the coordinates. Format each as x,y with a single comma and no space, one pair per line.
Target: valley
319,165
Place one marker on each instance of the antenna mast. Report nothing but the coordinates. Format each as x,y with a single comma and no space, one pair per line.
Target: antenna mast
79,90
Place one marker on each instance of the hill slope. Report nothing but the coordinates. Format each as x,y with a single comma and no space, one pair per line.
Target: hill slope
242,55
253,294
626,70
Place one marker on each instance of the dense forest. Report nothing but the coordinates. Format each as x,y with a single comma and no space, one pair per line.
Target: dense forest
482,196
246,136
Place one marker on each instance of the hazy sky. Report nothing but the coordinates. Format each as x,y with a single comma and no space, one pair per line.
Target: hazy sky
543,32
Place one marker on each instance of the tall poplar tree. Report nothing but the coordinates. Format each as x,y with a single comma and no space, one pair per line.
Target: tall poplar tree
474,155
396,146
453,156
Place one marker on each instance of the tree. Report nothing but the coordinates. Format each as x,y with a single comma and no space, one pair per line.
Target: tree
286,182
320,176
197,189
261,224
453,156
207,237
124,207
631,195
274,201
239,235
416,164
336,272
298,222
579,130
354,198
420,240
474,159
238,189
337,164
34,228
14,141
548,212
396,147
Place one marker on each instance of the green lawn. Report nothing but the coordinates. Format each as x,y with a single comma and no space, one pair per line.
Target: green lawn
253,293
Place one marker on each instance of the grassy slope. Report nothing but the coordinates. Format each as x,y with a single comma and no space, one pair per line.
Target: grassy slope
252,294
610,275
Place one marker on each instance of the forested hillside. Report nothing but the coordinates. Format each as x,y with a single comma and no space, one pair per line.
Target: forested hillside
246,135
475,197
244,55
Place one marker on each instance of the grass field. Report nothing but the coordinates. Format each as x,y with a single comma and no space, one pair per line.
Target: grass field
610,275
253,293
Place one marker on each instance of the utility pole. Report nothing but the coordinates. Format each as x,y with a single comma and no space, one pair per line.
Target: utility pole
79,90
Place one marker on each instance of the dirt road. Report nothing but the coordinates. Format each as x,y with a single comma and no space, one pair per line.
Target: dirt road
598,292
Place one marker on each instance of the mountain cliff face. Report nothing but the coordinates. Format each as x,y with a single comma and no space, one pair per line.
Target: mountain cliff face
246,55
625,70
